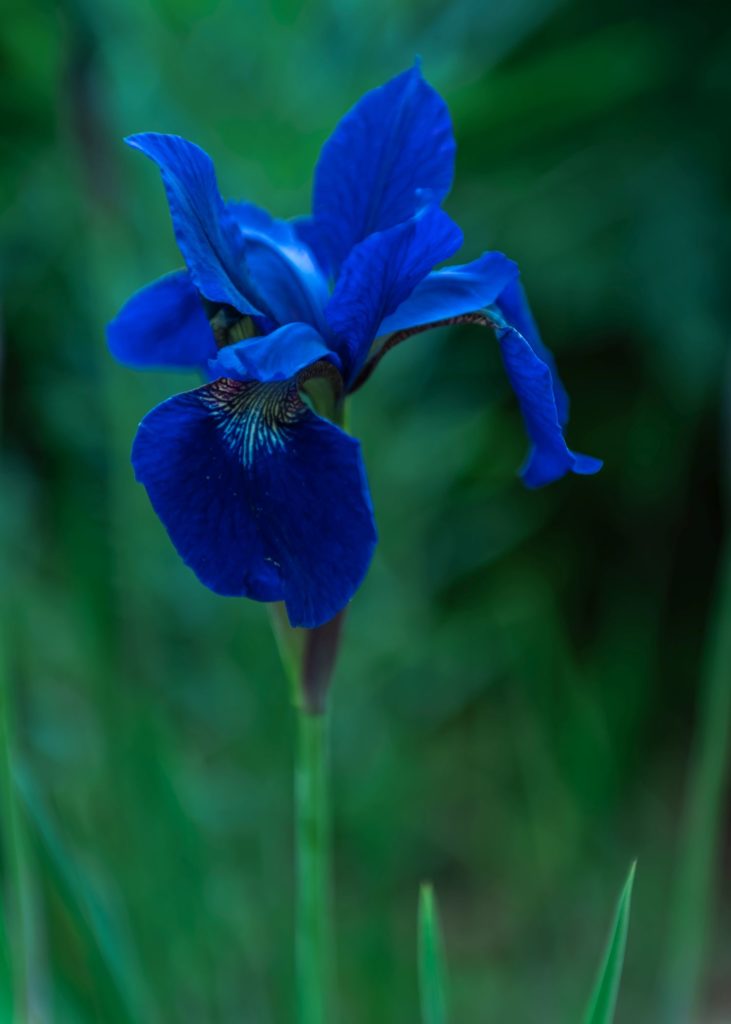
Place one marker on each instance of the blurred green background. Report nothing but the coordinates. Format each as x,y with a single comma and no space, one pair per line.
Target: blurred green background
515,707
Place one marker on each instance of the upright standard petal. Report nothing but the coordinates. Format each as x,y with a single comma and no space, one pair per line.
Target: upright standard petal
251,217
513,305
380,274
532,382
211,243
449,293
389,156
309,235
289,281
276,356
164,324
261,497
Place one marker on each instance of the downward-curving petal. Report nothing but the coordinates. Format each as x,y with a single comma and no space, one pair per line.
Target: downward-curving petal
209,238
513,305
388,157
163,325
261,497
532,382
453,292
379,275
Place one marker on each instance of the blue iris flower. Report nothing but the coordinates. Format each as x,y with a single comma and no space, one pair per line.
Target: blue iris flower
261,491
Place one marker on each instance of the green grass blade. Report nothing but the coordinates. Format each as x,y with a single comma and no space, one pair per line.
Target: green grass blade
606,988
119,988
432,971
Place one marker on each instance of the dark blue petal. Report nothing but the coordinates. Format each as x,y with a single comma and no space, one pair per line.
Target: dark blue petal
453,292
380,274
288,280
389,156
163,325
276,356
261,497
513,305
209,238
532,383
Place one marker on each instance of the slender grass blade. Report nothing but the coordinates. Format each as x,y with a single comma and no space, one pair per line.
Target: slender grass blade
118,988
603,1000
432,971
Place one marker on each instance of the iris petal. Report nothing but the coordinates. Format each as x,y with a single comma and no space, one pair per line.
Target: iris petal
251,217
163,325
261,497
211,243
453,292
380,274
513,305
388,157
289,281
309,234
532,382
276,356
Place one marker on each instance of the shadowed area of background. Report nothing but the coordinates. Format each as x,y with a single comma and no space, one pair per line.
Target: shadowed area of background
515,705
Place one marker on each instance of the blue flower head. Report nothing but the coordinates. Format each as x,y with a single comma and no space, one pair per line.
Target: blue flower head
261,491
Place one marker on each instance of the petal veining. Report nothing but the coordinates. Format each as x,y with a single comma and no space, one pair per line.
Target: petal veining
392,154
261,497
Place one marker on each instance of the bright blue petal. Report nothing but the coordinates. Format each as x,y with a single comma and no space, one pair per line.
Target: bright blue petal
392,154
532,383
288,280
163,325
513,305
380,274
209,238
251,217
276,356
308,233
261,497
453,292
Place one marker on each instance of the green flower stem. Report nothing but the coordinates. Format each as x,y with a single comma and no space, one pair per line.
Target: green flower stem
309,657
696,875
313,936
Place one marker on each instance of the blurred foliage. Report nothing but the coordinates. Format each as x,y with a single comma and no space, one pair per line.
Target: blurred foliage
514,707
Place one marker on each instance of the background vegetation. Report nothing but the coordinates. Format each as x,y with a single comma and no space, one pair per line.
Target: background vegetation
516,705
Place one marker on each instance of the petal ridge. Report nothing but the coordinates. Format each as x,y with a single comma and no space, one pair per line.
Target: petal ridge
208,237
379,274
